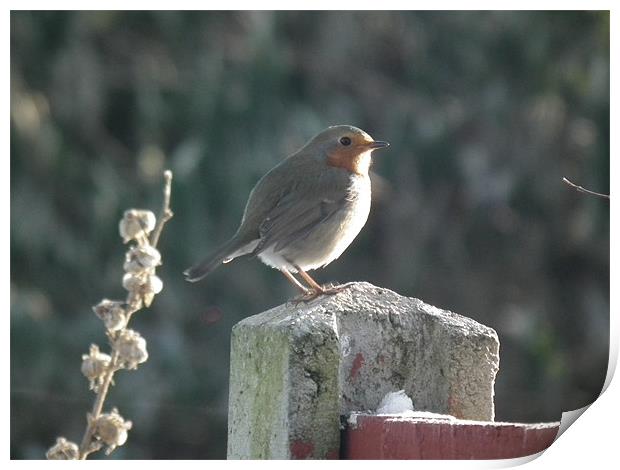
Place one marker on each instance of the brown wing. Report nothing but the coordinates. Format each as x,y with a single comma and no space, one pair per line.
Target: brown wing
296,215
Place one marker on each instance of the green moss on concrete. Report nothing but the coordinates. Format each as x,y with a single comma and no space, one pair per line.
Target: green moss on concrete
259,361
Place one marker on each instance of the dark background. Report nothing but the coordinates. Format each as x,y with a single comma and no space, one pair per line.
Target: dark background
485,111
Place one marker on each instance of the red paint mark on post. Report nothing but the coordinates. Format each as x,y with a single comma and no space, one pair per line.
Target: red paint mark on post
358,362
301,450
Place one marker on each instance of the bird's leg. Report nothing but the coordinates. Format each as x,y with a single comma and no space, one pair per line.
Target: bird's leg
294,281
306,294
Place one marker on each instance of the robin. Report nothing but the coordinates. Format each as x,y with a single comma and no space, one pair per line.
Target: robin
306,211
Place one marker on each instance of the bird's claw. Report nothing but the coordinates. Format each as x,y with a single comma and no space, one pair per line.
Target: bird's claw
331,289
311,294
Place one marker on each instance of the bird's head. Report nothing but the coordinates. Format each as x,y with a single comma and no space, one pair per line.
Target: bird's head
347,147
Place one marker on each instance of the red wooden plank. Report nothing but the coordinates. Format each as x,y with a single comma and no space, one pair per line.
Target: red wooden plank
389,437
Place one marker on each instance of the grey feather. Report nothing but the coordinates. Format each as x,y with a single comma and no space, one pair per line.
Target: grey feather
294,219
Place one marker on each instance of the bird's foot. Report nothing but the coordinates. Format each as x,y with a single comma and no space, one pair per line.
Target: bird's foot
331,289
311,294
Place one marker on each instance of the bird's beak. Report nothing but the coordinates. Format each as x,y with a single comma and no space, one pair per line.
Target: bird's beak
377,144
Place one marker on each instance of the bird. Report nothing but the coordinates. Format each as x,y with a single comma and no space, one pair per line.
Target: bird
306,211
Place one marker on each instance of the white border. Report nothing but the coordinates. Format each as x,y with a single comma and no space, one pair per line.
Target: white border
591,442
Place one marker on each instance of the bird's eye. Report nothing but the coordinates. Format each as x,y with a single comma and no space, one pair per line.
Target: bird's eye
345,141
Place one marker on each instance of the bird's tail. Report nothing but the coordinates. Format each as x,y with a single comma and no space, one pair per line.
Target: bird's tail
234,248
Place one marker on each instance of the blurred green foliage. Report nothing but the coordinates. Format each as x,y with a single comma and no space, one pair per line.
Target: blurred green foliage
485,111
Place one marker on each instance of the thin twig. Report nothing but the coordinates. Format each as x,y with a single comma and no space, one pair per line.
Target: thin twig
85,446
166,213
134,303
584,190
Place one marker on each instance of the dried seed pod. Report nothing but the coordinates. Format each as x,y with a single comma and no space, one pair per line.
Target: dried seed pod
136,224
111,429
131,348
63,450
153,286
140,259
113,314
133,282
94,366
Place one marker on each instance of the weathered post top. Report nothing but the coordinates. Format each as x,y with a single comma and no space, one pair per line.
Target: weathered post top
295,369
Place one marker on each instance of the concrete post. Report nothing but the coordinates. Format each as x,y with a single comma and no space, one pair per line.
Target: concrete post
296,369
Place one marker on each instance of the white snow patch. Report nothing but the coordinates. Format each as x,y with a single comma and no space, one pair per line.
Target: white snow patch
425,415
395,403
398,406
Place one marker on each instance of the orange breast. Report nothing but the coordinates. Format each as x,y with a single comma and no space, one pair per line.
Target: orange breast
353,159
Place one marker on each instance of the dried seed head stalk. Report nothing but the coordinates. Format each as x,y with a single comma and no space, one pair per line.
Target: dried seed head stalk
94,366
128,347
63,450
113,313
111,429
